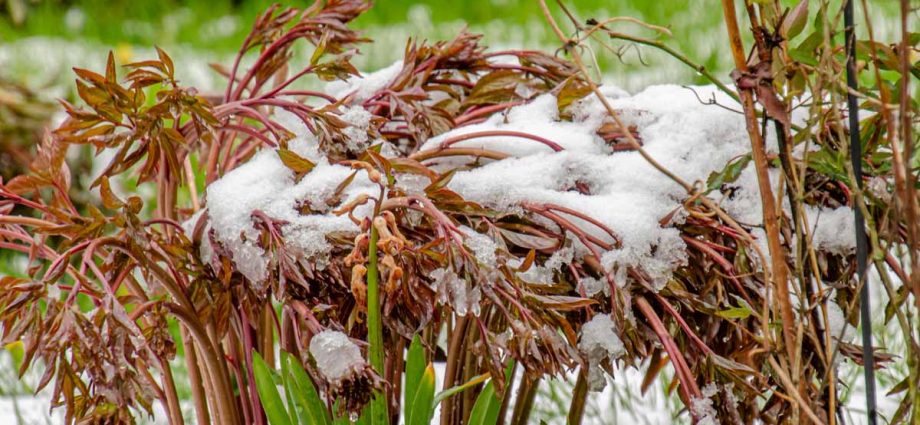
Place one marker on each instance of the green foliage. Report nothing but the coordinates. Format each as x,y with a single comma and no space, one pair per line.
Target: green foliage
419,393
488,403
272,403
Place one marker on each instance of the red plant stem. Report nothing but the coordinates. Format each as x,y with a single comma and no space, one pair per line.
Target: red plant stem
254,401
453,82
225,400
236,66
312,324
247,111
296,32
512,66
722,262
688,388
293,78
165,221
309,93
474,122
500,133
683,324
487,110
25,221
252,132
585,217
475,152
581,234
585,239
511,53
242,151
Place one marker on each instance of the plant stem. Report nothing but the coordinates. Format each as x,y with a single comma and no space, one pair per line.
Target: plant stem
194,376
580,393
378,406
779,272
527,392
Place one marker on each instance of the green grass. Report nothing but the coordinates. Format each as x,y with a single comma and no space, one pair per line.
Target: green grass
202,31
218,27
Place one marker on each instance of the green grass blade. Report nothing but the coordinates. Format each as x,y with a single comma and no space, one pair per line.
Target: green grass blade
488,404
268,392
294,411
310,406
419,392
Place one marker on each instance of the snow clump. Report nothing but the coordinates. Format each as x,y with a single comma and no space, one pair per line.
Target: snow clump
599,342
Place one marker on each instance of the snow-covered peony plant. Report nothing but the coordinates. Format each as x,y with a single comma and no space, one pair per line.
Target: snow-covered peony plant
498,211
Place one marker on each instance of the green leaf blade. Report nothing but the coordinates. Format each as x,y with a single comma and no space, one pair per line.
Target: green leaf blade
268,392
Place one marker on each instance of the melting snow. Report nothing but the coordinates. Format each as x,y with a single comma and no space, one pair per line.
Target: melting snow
336,356
625,192
598,342
266,184
365,86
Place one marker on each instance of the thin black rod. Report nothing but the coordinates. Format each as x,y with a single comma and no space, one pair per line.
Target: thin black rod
861,240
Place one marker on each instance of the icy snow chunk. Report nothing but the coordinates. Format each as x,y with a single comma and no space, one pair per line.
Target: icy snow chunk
599,342
358,120
412,184
703,408
593,286
482,245
455,291
366,85
233,198
832,230
337,358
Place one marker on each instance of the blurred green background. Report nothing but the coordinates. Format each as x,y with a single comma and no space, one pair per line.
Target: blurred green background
41,39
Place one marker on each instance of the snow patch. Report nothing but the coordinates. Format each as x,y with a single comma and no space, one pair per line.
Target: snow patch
598,342
337,358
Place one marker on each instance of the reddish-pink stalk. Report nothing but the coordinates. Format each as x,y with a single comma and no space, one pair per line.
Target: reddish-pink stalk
499,133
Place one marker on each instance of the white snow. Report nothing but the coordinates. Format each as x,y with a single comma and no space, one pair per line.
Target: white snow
626,193
337,358
703,407
457,292
358,120
266,184
482,246
598,342
366,85
832,230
